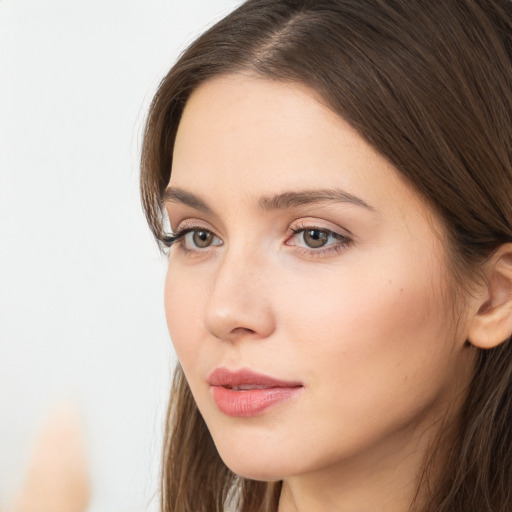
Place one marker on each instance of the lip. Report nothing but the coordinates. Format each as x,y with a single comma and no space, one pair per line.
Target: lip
244,393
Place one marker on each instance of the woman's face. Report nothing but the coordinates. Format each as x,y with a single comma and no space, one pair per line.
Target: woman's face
307,294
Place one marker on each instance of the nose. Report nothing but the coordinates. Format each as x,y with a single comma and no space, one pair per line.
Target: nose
239,305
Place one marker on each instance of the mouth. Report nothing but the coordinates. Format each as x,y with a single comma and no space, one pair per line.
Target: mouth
246,387
244,393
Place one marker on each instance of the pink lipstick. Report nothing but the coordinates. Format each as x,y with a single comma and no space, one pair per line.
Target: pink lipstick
244,393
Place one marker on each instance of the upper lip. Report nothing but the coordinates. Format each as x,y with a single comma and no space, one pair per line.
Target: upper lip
244,377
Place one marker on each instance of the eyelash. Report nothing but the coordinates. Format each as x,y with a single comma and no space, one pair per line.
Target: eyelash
342,241
178,237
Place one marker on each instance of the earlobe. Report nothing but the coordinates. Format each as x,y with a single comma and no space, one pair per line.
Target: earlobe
492,323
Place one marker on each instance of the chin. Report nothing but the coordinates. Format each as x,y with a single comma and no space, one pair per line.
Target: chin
256,464
260,472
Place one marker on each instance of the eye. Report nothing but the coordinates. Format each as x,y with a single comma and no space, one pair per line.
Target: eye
191,239
318,241
200,238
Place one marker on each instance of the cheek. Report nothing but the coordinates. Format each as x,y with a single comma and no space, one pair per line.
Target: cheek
373,334
182,301
369,302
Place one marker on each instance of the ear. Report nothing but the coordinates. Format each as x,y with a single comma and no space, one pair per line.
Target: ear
492,323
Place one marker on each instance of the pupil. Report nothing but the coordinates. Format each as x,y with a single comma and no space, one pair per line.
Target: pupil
315,238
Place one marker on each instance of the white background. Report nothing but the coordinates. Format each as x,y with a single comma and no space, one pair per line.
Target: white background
81,314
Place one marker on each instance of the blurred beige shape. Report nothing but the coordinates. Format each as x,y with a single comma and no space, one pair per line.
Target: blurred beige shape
57,478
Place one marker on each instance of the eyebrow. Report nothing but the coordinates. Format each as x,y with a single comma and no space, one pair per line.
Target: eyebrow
177,195
271,203
293,199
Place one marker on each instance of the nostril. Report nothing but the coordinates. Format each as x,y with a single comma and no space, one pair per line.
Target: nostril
243,330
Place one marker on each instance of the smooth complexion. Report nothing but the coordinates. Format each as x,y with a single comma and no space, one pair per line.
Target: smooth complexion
305,257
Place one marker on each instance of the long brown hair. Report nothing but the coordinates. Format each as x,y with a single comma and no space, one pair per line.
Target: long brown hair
429,84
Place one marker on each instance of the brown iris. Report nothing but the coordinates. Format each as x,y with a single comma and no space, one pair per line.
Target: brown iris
202,238
315,238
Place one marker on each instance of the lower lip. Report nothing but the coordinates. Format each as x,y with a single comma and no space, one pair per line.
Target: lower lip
251,402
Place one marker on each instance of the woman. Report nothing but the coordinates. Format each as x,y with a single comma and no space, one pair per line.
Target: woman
337,177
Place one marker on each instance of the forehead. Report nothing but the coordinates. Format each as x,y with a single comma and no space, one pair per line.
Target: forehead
254,127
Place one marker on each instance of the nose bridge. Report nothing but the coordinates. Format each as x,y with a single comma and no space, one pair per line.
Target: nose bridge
239,303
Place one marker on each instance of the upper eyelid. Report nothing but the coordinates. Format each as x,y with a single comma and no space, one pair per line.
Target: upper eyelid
331,232
192,224
304,224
